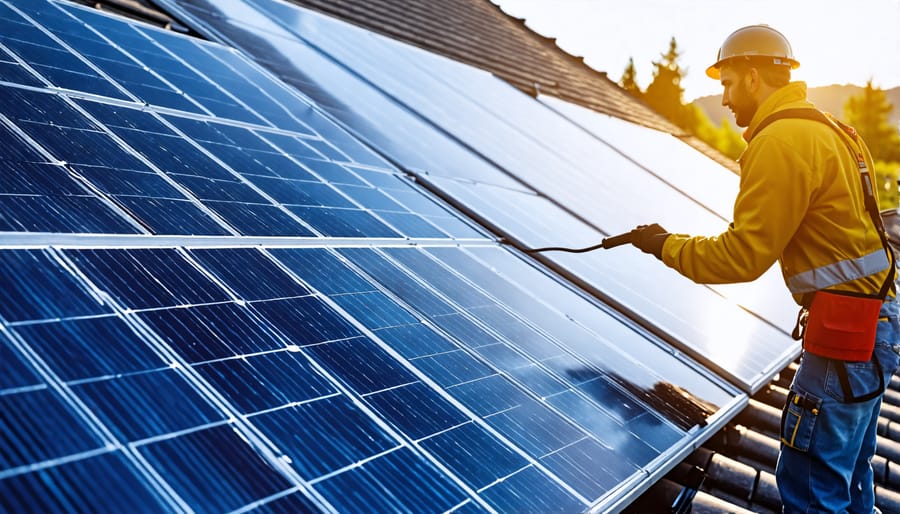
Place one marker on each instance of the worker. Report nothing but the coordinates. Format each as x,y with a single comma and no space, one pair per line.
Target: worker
803,202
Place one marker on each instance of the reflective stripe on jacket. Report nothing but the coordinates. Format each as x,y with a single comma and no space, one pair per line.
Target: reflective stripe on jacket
800,203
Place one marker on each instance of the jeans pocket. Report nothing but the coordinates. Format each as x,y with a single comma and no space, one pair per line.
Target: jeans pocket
854,381
799,419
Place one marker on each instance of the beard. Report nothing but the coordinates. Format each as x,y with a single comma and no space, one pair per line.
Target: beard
743,114
744,107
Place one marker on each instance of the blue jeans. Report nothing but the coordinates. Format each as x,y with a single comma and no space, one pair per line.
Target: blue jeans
827,443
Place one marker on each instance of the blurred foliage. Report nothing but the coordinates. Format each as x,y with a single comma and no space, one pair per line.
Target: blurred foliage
868,112
666,96
886,174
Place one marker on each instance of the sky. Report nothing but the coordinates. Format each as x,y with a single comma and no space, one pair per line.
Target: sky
836,41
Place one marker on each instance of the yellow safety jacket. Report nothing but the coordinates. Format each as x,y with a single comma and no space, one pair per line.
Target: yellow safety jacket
800,203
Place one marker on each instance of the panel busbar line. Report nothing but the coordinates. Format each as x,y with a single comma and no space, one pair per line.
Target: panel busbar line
220,300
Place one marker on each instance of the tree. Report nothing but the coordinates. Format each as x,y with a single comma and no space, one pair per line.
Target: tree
665,94
868,113
629,80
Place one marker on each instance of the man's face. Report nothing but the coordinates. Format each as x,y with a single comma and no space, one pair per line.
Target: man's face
736,95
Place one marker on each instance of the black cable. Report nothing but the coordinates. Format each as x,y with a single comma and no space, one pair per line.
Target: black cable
609,242
563,249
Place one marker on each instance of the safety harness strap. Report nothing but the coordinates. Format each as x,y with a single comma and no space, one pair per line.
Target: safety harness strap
844,132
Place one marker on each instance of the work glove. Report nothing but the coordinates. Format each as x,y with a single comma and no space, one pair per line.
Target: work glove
649,239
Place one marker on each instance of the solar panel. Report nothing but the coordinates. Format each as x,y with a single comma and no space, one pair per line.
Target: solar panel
219,300
560,170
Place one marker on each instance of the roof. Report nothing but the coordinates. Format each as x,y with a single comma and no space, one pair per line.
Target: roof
480,33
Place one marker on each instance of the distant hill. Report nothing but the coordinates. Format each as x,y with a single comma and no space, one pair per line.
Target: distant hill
827,98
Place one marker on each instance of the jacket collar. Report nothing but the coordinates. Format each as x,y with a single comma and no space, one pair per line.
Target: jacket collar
790,96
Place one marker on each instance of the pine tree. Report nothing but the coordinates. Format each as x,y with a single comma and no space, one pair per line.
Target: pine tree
665,93
629,79
868,112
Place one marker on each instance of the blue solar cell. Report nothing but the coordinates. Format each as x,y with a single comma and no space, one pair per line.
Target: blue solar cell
502,356
452,368
100,483
607,428
231,190
306,320
412,225
249,273
143,405
83,214
296,503
295,192
259,382
119,116
585,467
362,364
117,181
208,332
531,491
38,426
398,282
538,380
337,222
90,347
44,106
236,381
199,130
535,428
464,330
371,198
374,310
259,220
440,278
80,146
381,486
327,150
277,103
44,54
473,454
416,340
35,287
36,178
290,376
324,436
332,172
14,371
323,270
214,470
12,71
292,145
416,410
172,154
145,278
489,395
168,216
348,144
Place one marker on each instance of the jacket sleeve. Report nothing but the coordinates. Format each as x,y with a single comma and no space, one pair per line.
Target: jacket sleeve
775,190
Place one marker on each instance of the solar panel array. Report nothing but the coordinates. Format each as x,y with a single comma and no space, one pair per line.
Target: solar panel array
548,173
216,299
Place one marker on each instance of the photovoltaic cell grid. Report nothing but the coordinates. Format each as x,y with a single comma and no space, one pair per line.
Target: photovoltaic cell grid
211,376
544,179
394,364
132,162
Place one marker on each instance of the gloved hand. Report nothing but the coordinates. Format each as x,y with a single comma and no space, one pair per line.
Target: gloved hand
649,239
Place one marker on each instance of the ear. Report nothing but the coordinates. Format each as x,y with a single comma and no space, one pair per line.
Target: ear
752,80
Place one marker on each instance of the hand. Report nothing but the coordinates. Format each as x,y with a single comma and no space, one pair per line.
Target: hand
649,239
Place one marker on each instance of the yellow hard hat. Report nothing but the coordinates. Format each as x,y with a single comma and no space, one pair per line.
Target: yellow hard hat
754,41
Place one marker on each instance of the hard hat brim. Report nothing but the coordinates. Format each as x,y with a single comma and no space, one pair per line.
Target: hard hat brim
714,72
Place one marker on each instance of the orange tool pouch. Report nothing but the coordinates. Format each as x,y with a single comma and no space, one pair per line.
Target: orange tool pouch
840,325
